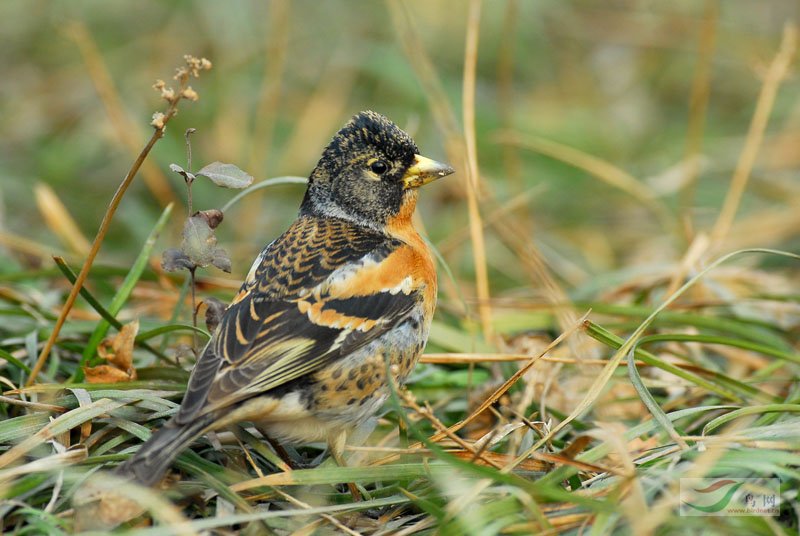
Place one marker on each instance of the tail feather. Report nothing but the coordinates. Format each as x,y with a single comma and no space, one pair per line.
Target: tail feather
148,465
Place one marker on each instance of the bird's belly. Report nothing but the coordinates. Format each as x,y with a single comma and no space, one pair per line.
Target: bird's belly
349,391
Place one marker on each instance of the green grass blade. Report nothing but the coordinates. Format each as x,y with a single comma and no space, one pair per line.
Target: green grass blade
606,337
86,295
14,361
751,410
155,332
726,341
103,312
59,425
647,398
127,286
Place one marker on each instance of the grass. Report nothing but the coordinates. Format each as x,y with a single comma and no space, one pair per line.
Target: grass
618,289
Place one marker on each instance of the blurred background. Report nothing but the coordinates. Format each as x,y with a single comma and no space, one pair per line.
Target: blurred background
606,133
596,145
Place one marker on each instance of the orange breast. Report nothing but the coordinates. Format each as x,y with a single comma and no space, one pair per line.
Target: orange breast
416,258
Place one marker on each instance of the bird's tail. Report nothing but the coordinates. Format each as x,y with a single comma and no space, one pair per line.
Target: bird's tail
148,465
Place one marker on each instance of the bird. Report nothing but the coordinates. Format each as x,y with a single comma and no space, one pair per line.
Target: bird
330,313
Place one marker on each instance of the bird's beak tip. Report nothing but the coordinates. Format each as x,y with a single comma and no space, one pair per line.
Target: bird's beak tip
425,170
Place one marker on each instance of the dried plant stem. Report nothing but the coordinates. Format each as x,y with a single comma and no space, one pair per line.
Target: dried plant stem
189,181
427,413
777,71
189,197
193,284
98,241
27,246
327,517
473,173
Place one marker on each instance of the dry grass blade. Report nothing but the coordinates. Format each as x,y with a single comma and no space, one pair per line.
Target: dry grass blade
59,220
46,464
463,359
693,254
778,70
64,422
427,414
500,391
473,173
601,169
26,246
503,212
32,405
329,518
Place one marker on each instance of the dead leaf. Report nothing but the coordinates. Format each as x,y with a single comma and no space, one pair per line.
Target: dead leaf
118,351
214,310
173,260
226,175
123,346
200,244
212,216
576,447
106,374
187,176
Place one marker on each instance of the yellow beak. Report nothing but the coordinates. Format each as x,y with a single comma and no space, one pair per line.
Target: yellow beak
423,171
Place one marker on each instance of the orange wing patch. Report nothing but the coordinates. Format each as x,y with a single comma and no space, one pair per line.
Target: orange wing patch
329,317
404,270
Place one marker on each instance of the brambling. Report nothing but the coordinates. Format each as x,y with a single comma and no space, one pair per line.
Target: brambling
346,294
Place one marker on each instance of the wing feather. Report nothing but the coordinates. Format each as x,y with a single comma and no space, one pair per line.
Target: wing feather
291,316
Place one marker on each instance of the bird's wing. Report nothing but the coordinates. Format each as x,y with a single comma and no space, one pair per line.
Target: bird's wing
321,291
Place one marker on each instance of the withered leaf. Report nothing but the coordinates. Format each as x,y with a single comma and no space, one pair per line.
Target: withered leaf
213,217
221,260
106,374
118,351
200,244
226,175
123,346
174,259
214,310
188,176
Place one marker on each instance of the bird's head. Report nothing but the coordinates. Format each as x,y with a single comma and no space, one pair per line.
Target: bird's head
370,173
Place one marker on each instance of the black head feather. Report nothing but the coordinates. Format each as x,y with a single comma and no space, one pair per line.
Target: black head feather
359,175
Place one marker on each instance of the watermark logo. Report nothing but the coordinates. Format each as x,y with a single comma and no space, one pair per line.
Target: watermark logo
730,497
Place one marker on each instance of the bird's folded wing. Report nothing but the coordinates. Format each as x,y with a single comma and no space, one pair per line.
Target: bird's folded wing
316,294
292,339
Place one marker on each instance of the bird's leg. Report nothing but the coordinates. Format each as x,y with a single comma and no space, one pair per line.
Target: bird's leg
279,450
336,445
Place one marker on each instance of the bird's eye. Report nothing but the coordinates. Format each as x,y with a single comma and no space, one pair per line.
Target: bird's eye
379,167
